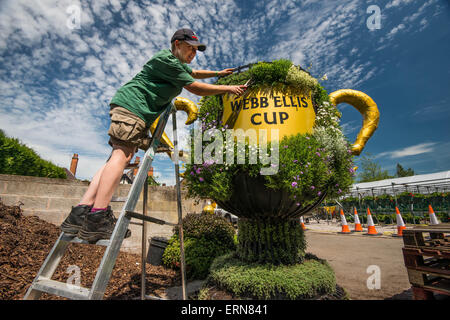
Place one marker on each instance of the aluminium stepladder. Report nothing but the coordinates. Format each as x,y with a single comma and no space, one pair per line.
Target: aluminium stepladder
42,283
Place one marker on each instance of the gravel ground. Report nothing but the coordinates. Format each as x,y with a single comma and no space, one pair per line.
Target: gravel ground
352,255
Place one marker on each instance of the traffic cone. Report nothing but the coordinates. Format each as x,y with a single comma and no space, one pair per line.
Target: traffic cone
345,228
302,223
433,219
400,224
371,231
358,227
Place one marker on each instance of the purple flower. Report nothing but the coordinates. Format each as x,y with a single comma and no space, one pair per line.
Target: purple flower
295,161
192,173
312,187
207,163
301,172
337,184
285,147
201,179
339,191
307,138
198,171
318,154
319,193
298,204
294,184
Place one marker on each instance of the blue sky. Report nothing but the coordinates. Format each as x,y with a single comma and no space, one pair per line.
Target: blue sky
56,81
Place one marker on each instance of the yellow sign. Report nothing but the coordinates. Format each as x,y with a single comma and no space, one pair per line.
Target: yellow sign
289,114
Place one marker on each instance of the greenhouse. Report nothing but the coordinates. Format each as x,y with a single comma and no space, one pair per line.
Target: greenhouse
412,195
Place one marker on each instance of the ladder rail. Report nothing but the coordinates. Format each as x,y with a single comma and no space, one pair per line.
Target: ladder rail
179,209
109,258
48,268
43,283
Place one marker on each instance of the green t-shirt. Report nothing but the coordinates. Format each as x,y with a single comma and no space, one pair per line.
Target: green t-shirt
151,90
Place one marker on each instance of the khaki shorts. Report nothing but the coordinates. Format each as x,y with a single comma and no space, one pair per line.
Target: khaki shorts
127,129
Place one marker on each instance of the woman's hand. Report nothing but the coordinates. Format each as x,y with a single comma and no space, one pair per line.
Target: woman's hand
237,90
225,72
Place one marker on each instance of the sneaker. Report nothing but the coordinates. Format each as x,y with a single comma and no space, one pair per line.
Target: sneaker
99,225
74,221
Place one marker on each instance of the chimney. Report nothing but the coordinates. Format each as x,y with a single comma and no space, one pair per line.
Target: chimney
73,164
136,161
150,172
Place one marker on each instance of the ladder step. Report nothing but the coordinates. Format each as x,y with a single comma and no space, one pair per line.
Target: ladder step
149,219
119,199
149,297
72,239
61,289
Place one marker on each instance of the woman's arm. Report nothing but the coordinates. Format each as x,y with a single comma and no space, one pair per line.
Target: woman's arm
206,89
203,74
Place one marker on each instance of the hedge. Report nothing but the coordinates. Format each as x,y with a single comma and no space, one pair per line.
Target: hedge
18,159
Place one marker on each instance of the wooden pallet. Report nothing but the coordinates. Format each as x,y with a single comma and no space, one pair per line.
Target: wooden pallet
426,254
439,237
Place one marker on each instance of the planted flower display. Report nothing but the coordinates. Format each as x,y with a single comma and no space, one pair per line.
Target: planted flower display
274,154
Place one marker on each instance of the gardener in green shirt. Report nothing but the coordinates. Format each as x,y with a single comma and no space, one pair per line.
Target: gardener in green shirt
134,108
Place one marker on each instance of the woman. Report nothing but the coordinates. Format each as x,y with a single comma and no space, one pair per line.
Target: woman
134,107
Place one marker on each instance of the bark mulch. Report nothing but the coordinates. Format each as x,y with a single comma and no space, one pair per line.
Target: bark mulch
25,242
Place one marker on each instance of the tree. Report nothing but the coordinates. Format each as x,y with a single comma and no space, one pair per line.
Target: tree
404,173
371,171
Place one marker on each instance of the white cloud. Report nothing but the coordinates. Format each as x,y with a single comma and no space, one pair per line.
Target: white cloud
409,151
396,3
55,83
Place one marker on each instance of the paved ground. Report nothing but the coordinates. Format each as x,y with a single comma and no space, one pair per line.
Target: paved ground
350,255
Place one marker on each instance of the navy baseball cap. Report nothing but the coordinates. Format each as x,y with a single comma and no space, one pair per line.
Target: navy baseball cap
190,37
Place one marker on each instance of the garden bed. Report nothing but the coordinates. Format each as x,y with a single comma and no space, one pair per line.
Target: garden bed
26,241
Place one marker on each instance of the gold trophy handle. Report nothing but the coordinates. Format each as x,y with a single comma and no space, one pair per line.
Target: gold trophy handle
182,104
366,106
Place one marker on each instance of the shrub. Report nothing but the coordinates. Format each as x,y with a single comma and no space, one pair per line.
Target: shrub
206,236
18,159
208,226
312,278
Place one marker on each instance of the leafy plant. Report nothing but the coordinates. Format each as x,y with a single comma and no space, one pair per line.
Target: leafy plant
206,236
312,278
18,159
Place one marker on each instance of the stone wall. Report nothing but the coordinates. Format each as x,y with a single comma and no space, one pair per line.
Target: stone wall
52,199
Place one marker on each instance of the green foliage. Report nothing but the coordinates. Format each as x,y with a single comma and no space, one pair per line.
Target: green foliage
401,172
152,182
208,226
206,236
18,159
199,254
385,204
312,278
277,76
371,171
271,241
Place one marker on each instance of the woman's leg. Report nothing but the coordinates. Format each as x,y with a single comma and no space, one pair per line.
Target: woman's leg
89,196
112,172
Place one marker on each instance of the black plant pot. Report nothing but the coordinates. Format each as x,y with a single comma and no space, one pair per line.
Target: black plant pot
251,199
